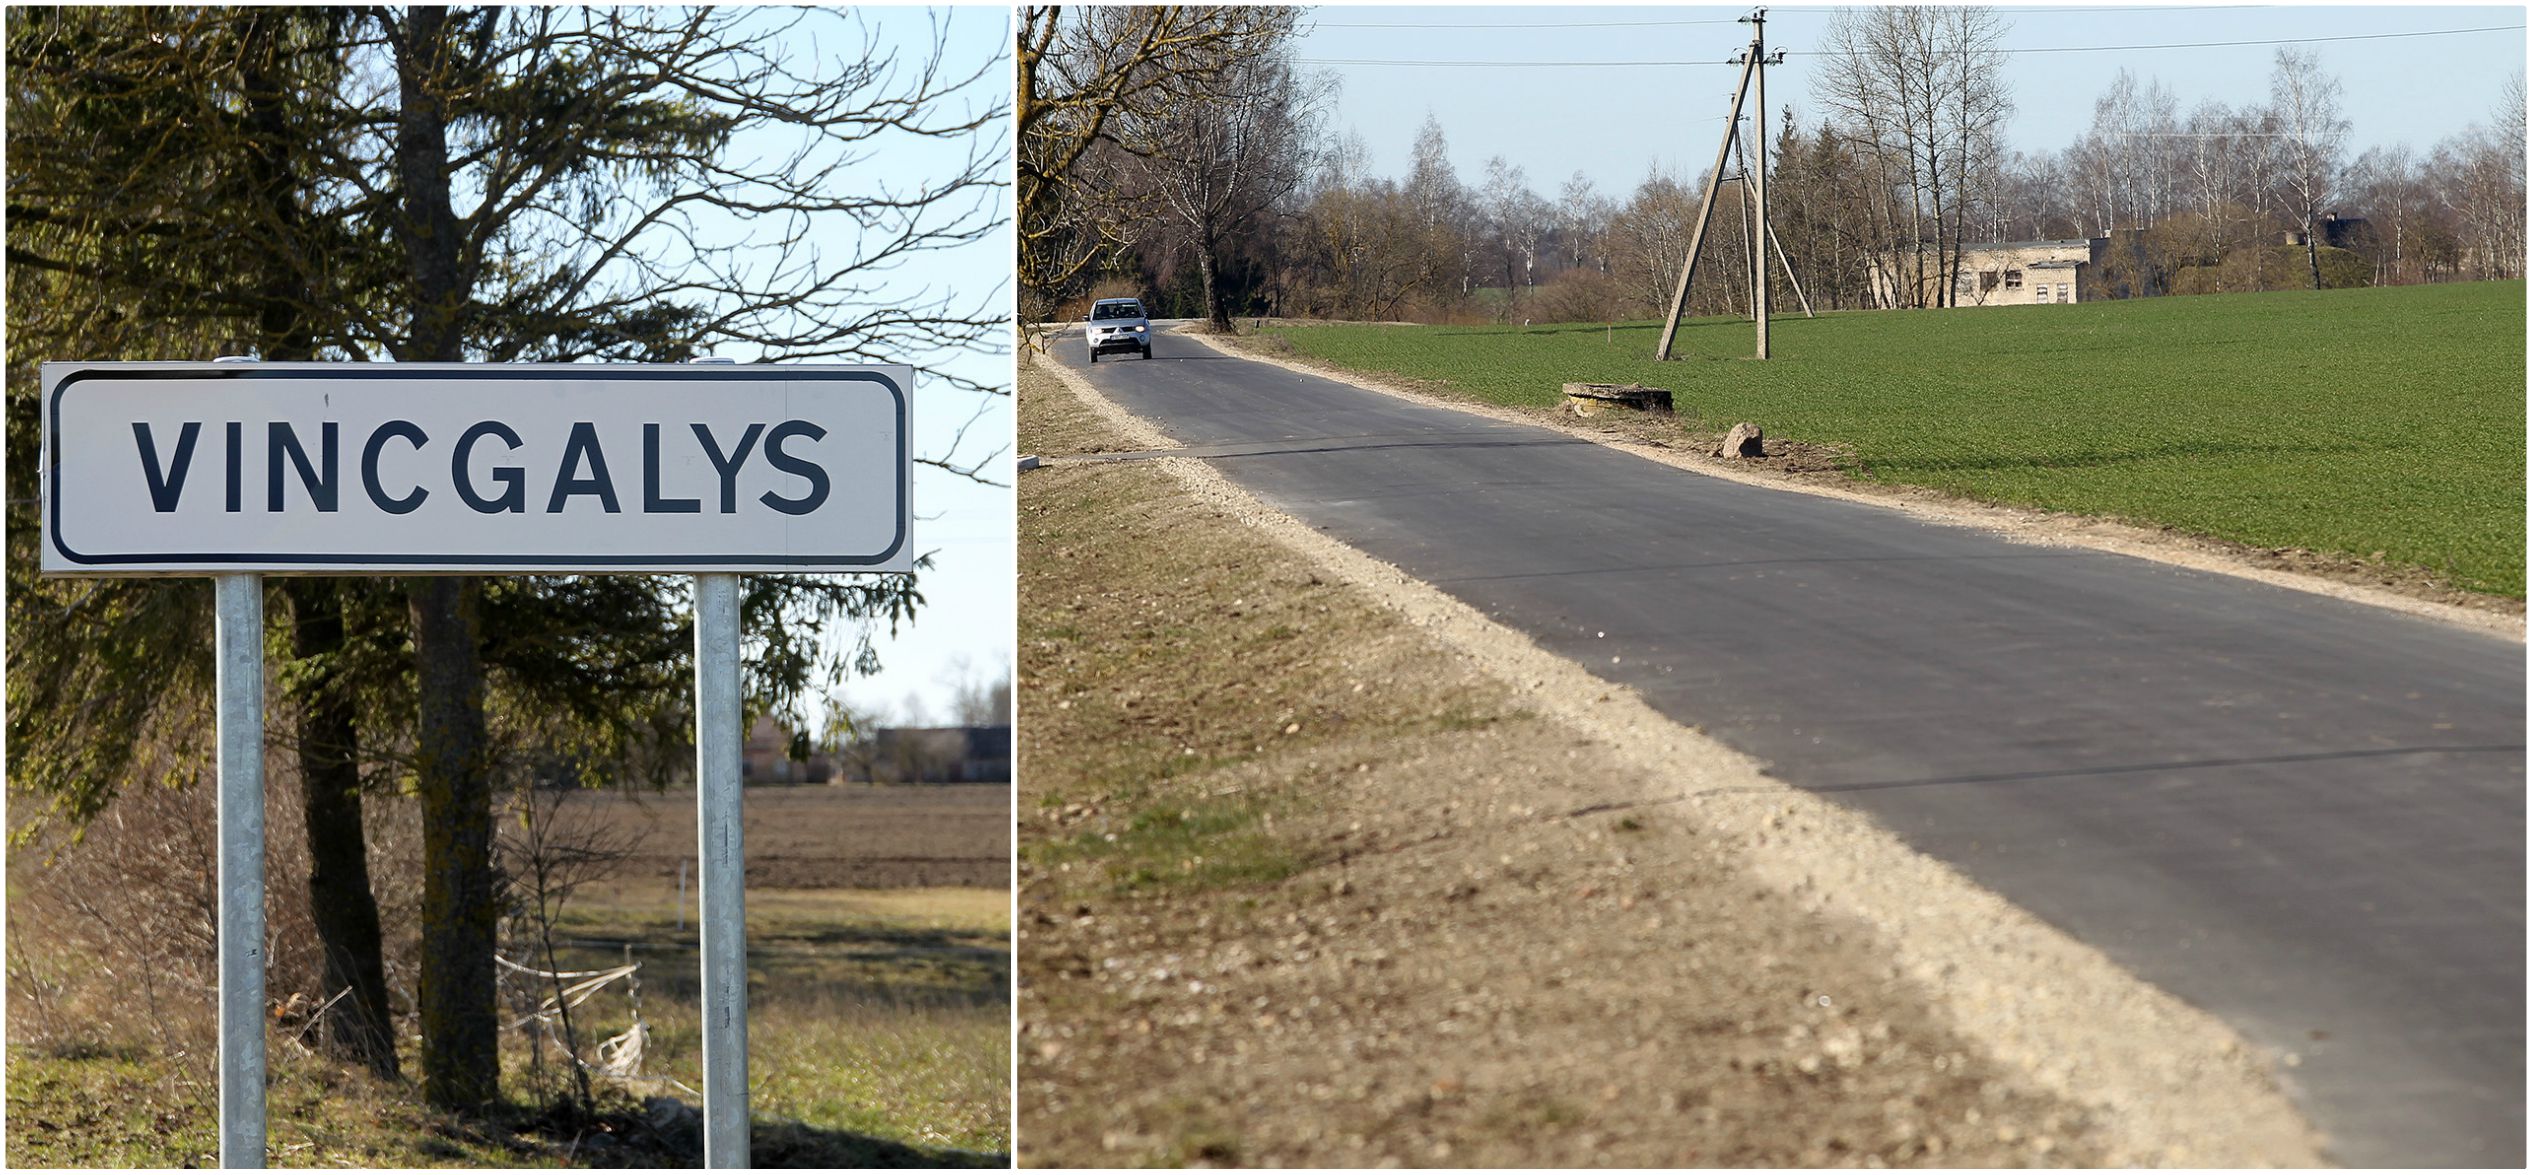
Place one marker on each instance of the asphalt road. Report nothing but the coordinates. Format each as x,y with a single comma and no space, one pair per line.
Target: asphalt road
2301,814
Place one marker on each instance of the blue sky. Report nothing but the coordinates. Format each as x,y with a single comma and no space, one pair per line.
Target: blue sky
970,611
1556,120
969,615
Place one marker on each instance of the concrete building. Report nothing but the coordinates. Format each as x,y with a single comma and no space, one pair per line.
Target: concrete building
766,757
2028,273
2052,282
937,754
892,754
2017,273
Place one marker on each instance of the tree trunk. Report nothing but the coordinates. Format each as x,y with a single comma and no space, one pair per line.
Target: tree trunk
1214,311
2312,247
358,1024
1511,291
461,1062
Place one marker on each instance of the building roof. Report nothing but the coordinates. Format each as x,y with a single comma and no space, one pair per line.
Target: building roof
2072,243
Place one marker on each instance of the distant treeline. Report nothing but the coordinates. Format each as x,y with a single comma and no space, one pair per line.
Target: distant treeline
1245,207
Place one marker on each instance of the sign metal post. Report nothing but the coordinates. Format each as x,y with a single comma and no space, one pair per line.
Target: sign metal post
723,896
405,469
239,633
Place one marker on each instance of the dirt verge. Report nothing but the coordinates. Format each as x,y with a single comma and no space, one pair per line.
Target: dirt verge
1319,867
846,836
1812,468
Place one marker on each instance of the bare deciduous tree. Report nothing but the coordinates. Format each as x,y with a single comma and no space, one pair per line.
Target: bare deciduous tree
1441,205
1362,238
2306,104
1517,220
1092,82
2387,182
1647,240
1921,92
1224,160
2479,181
1580,212
978,697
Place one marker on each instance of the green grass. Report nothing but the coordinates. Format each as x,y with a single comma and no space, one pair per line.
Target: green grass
879,1036
1182,844
878,1015
2357,422
136,1108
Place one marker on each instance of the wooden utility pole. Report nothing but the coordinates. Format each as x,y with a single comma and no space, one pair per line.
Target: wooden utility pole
1705,211
1749,234
1750,61
1758,174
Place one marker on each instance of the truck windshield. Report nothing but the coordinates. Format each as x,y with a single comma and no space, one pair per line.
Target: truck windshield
1117,310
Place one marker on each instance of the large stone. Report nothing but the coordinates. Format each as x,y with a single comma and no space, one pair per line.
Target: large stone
1592,399
1745,440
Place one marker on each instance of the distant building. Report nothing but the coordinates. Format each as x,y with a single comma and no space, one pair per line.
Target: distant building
2337,232
2016,273
919,754
766,757
936,754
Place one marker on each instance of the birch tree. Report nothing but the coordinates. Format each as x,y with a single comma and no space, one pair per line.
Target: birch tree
1580,211
2313,133
1515,220
1920,90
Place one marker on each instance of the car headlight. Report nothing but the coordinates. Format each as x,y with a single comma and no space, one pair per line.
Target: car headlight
1136,329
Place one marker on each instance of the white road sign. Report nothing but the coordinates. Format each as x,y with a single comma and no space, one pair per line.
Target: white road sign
338,468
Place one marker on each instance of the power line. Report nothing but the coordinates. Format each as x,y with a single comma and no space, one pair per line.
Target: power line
1371,61
2045,10
1490,64
2050,8
1592,24
2228,44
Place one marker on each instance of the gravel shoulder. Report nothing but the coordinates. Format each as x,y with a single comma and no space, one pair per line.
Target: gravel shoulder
1319,867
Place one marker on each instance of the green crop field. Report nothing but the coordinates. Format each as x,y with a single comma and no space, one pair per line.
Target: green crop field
2355,422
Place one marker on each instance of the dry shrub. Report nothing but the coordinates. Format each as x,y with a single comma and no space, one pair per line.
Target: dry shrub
551,842
113,930
1577,295
1448,306
1116,287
